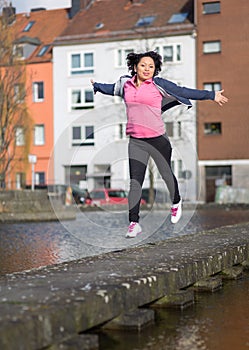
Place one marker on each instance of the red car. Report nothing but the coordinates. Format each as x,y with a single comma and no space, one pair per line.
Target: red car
103,196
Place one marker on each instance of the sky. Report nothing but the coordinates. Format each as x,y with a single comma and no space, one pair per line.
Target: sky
26,5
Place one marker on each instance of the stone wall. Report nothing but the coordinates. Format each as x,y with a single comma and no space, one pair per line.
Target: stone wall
27,205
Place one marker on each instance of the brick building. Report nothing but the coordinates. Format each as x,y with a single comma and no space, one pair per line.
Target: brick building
222,30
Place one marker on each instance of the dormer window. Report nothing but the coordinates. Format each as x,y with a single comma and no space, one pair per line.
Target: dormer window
99,25
178,18
43,50
145,21
29,26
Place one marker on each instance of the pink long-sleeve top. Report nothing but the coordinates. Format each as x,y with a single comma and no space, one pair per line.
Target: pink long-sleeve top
143,108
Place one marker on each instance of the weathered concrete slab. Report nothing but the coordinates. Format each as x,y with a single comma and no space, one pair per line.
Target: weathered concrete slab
233,273
79,342
210,284
179,299
135,319
51,305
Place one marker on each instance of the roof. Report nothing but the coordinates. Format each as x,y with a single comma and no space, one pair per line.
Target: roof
40,28
107,20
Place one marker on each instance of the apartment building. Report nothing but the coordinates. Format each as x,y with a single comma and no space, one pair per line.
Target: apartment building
89,130
222,30
34,35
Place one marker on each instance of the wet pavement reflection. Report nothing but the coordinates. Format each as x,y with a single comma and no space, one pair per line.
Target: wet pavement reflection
25,246
215,321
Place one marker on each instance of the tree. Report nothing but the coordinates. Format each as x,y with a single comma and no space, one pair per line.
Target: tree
15,123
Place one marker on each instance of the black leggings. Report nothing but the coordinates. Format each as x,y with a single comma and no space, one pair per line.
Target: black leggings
159,148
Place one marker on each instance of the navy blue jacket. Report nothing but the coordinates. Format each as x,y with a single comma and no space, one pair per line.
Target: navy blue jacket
172,94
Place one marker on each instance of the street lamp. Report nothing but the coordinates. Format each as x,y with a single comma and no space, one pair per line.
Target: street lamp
32,160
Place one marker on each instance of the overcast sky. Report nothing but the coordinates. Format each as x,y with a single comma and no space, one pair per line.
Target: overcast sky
26,5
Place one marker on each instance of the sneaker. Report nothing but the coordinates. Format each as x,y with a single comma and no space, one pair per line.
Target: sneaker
134,229
176,212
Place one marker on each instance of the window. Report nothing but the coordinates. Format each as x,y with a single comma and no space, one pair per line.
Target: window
145,21
170,53
20,139
39,135
29,26
174,129
121,55
212,46
169,128
18,51
82,63
38,91
212,128
122,131
81,99
39,178
43,50
19,93
89,131
211,7
74,174
178,18
179,164
212,86
83,135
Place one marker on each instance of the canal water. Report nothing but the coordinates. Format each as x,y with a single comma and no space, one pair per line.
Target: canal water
24,246
216,321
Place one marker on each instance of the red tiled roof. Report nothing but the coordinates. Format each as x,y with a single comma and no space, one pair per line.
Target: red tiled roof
118,20
48,25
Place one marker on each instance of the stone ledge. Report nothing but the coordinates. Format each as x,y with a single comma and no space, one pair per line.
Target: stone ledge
51,305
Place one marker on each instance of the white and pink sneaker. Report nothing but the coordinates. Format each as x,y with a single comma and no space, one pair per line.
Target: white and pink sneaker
134,229
176,212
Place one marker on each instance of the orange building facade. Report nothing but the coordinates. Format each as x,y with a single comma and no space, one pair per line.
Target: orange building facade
35,33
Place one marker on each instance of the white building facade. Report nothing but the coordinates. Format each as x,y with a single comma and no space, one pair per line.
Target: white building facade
90,142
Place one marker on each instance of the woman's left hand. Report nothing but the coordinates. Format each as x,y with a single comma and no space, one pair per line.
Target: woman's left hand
219,98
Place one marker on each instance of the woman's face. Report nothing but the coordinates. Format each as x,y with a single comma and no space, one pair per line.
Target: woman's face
145,68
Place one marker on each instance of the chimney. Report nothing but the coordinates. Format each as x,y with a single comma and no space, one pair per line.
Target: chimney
9,14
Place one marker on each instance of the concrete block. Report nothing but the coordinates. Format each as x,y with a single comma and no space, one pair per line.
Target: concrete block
245,265
210,284
232,273
136,319
180,299
78,342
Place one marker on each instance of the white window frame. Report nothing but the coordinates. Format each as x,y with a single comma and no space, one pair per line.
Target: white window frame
212,86
39,135
210,8
176,51
120,57
74,106
18,51
82,69
210,47
19,93
83,140
19,136
36,97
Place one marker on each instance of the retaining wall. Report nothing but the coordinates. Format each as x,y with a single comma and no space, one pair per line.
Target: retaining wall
27,205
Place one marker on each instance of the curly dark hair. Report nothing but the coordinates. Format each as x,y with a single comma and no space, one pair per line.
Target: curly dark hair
134,58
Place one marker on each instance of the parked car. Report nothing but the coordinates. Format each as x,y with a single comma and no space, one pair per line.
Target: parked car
108,196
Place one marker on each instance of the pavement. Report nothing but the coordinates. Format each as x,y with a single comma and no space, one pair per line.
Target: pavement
57,307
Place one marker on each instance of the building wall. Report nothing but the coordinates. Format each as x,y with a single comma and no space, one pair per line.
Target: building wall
229,67
42,113
109,112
